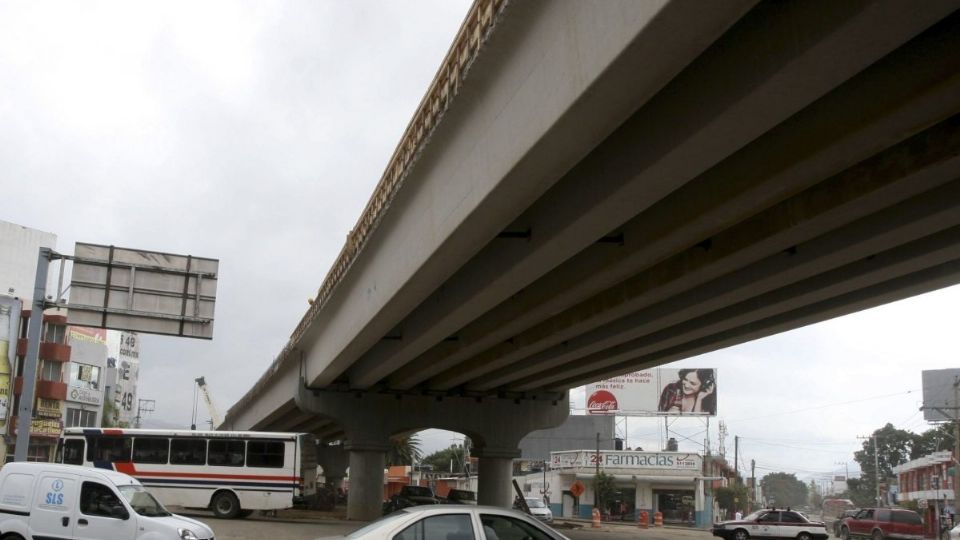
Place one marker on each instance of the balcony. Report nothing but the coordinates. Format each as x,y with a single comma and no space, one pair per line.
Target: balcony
56,352
45,389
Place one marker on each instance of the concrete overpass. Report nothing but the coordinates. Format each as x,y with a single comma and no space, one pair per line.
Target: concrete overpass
590,188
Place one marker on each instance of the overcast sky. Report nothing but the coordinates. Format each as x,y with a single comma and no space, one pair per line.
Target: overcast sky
254,132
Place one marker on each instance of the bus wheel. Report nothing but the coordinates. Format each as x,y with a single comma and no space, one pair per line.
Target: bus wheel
225,505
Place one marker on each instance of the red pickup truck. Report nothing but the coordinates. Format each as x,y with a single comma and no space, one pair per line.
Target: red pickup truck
883,523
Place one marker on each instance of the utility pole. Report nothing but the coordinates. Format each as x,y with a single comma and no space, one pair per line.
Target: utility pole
956,441
144,406
736,458
596,476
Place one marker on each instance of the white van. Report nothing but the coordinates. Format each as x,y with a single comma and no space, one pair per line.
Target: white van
46,500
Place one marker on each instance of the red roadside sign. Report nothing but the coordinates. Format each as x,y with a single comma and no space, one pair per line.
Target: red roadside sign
577,488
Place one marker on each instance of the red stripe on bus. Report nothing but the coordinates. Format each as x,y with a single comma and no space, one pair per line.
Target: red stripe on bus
113,432
128,468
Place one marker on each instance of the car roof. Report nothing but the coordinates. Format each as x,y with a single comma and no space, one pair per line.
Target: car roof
113,477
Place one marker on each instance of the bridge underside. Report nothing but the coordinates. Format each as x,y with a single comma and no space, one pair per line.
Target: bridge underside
802,165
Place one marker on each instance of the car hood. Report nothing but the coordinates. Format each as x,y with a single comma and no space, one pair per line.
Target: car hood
199,528
540,511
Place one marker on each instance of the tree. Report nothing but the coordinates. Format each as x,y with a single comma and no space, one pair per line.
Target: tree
893,447
446,459
732,498
606,488
404,450
784,489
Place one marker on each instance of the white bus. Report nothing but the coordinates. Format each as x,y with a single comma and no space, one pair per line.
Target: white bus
232,473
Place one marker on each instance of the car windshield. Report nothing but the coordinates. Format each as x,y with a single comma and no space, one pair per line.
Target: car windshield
754,516
142,502
535,503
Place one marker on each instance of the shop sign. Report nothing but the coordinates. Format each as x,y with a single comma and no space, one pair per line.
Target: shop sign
625,460
84,395
44,427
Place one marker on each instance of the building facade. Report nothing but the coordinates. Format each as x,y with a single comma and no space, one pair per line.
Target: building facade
668,482
927,482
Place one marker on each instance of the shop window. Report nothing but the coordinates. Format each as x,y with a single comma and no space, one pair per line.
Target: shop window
50,371
81,418
84,376
54,333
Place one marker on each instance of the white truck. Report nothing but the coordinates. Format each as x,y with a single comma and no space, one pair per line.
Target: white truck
46,500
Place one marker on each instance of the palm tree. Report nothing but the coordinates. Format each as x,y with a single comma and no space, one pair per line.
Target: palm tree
404,450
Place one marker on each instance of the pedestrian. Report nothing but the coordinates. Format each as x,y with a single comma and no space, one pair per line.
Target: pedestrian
738,515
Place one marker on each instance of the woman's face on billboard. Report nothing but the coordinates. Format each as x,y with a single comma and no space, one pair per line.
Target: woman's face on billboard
691,383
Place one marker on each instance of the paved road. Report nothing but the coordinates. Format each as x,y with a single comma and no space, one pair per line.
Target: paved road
257,528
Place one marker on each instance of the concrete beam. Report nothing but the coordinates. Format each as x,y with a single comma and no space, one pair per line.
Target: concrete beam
680,142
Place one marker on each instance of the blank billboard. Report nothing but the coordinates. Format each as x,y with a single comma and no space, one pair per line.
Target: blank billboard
939,394
142,291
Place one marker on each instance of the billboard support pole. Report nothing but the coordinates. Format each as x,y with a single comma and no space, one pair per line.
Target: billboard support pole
956,440
25,411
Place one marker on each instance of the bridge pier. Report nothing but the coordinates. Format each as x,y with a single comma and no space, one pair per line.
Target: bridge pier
334,460
494,424
367,461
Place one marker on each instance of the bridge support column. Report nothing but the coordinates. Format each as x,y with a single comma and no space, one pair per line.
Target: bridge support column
365,499
495,476
369,419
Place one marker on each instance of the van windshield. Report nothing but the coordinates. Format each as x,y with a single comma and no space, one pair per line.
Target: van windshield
142,502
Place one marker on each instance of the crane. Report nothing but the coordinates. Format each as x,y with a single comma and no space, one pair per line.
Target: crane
215,418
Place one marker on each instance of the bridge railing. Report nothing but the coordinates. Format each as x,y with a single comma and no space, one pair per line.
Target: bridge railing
474,31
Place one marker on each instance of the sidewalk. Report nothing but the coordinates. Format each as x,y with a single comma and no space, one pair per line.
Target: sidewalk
622,526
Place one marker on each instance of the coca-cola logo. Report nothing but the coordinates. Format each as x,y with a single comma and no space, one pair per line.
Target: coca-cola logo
602,401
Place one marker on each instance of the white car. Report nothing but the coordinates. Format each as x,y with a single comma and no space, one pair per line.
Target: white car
539,509
456,522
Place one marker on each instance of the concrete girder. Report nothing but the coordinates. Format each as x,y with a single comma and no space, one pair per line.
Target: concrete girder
682,142
290,421
911,258
553,80
920,88
914,166
913,284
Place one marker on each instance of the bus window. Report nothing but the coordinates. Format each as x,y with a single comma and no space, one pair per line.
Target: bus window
73,452
225,453
267,454
109,449
188,451
150,450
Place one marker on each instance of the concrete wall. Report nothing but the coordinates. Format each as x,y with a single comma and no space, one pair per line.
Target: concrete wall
575,433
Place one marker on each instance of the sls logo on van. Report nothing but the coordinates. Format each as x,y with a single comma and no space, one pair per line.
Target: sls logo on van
55,495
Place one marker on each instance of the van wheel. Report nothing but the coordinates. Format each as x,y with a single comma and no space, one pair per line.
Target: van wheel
11,536
225,505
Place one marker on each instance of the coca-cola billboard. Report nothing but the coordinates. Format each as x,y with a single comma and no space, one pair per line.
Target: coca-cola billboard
661,391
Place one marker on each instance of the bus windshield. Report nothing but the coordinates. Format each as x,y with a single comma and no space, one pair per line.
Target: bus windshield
142,502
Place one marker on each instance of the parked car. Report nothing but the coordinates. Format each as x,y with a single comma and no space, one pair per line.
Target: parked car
883,523
771,523
456,522
410,496
46,500
461,496
539,509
